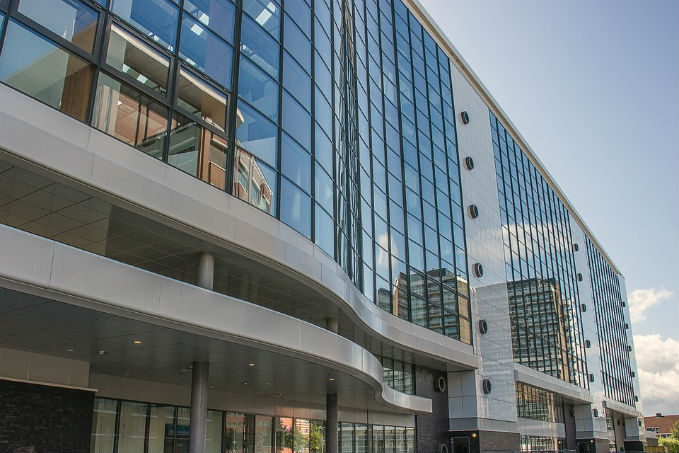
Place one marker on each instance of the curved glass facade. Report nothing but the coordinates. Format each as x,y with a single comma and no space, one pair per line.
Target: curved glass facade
540,266
334,116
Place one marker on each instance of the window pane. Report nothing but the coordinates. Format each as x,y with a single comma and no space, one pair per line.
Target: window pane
299,10
296,163
295,207
256,134
218,15
160,418
201,99
297,44
235,433
325,228
128,115
323,188
137,59
317,436
37,67
302,431
205,51
263,438
254,182
296,121
266,13
70,19
157,19
259,47
296,81
132,429
258,89
197,151
213,435
103,421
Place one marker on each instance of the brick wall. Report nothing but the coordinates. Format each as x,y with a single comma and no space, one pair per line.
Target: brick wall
431,429
51,419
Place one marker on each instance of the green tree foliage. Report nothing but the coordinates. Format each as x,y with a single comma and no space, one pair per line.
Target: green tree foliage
675,430
671,443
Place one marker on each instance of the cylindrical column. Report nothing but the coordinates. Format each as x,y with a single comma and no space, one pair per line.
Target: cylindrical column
332,441
206,270
199,387
332,324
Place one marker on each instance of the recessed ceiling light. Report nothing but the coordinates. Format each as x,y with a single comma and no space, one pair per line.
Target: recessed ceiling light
331,379
245,383
70,350
137,341
128,374
267,383
101,352
280,395
251,364
183,370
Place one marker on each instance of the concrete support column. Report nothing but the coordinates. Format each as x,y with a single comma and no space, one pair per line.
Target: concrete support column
331,412
206,270
201,370
332,324
199,387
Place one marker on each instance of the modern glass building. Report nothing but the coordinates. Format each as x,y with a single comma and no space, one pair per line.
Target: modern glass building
287,226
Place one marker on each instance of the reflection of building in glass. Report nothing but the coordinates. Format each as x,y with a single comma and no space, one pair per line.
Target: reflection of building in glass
259,205
539,326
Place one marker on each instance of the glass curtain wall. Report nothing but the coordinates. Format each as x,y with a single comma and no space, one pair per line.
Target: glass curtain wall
540,266
129,426
616,368
335,116
538,404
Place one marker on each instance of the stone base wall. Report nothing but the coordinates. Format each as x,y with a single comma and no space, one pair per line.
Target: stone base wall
49,419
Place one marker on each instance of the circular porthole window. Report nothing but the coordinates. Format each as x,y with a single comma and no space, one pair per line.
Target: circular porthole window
465,117
478,270
483,326
440,384
473,211
576,247
487,386
469,162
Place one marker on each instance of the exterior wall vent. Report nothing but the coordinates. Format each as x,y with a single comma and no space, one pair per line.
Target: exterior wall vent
629,348
626,326
588,344
487,386
483,326
478,270
469,163
595,412
465,117
583,307
633,374
591,377
579,276
576,247
440,384
473,211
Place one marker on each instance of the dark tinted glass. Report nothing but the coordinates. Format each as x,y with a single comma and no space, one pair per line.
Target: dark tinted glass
256,134
256,87
70,19
133,57
201,99
324,229
266,13
259,47
300,12
205,51
296,81
39,68
157,19
295,207
218,15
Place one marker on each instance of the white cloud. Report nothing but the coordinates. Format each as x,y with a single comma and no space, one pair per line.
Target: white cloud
658,368
641,300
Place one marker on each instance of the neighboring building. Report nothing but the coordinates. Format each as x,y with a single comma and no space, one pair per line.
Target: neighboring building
296,226
661,424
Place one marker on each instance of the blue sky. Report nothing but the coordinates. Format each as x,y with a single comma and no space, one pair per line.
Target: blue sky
594,89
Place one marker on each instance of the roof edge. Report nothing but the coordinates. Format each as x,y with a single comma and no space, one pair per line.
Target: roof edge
440,37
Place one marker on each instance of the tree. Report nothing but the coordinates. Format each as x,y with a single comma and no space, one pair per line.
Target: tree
671,443
675,431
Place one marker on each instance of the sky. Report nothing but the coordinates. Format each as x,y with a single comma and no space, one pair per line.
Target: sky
593,87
